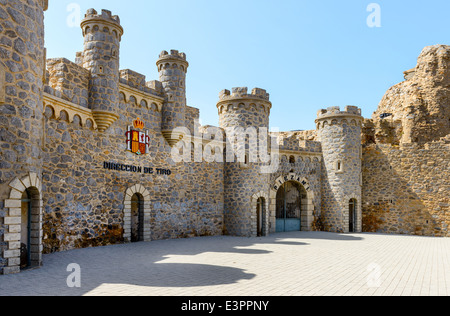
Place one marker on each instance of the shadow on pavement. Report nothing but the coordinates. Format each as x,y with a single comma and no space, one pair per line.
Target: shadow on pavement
142,264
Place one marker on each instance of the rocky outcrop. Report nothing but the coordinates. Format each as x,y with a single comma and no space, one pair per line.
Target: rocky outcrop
406,152
418,109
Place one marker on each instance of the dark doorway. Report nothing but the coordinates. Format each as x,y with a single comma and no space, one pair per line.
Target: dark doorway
260,217
352,216
137,218
25,233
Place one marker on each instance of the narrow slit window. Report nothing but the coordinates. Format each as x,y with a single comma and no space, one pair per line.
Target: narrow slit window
339,166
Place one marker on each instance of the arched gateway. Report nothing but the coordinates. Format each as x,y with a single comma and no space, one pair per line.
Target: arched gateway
137,214
24,221
291,204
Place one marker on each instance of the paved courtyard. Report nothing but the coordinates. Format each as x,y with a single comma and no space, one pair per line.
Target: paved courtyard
290,264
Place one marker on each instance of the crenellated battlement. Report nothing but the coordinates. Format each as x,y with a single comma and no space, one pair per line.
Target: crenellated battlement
104,22
106,15
333,115
174,60
173,54
336,111
242,93
239,98
239,108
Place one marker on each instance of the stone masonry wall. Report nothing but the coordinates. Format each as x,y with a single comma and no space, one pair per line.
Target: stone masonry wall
101,56
240,184
406,189
192,119
70,79
84,203
172,75
406,160
340,135
239,111
21,130
302,156
306,168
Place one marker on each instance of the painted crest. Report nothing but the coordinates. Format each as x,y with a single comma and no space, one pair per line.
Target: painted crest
138,141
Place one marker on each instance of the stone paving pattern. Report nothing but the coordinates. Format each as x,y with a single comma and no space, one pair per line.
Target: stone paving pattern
289,264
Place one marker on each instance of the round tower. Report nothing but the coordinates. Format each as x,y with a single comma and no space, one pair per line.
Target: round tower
340,135
102,35
22,69
172,74
245,119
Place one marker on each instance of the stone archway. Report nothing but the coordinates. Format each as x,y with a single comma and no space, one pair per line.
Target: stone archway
352,214
291,207
144,195
31,187
307,216
265,214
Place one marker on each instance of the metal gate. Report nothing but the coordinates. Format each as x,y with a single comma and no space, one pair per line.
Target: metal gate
289,207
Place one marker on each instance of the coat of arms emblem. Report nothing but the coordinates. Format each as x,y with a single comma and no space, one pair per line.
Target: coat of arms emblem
138,141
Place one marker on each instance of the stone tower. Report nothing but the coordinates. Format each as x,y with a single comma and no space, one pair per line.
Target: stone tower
22,67
102,35
172,74
245,119
340,134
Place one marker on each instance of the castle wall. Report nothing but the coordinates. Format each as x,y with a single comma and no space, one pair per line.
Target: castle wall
240,185
300,159
405,189
192,119
70,79
306,170
64,151
85,204
133,79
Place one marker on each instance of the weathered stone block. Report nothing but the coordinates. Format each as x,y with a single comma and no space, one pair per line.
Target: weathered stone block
12,220
15,212
11,237
18,185
15,228
11,254
11,270
12,245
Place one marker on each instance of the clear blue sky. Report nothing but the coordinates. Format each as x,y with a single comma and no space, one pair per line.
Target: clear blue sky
308,55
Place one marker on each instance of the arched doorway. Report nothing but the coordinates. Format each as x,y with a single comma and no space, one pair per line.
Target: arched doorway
290,206
307,203
137,218
260,216
25,231
30,227
352,215
24,224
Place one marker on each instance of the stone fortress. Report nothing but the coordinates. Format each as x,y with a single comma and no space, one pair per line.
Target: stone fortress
87,152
